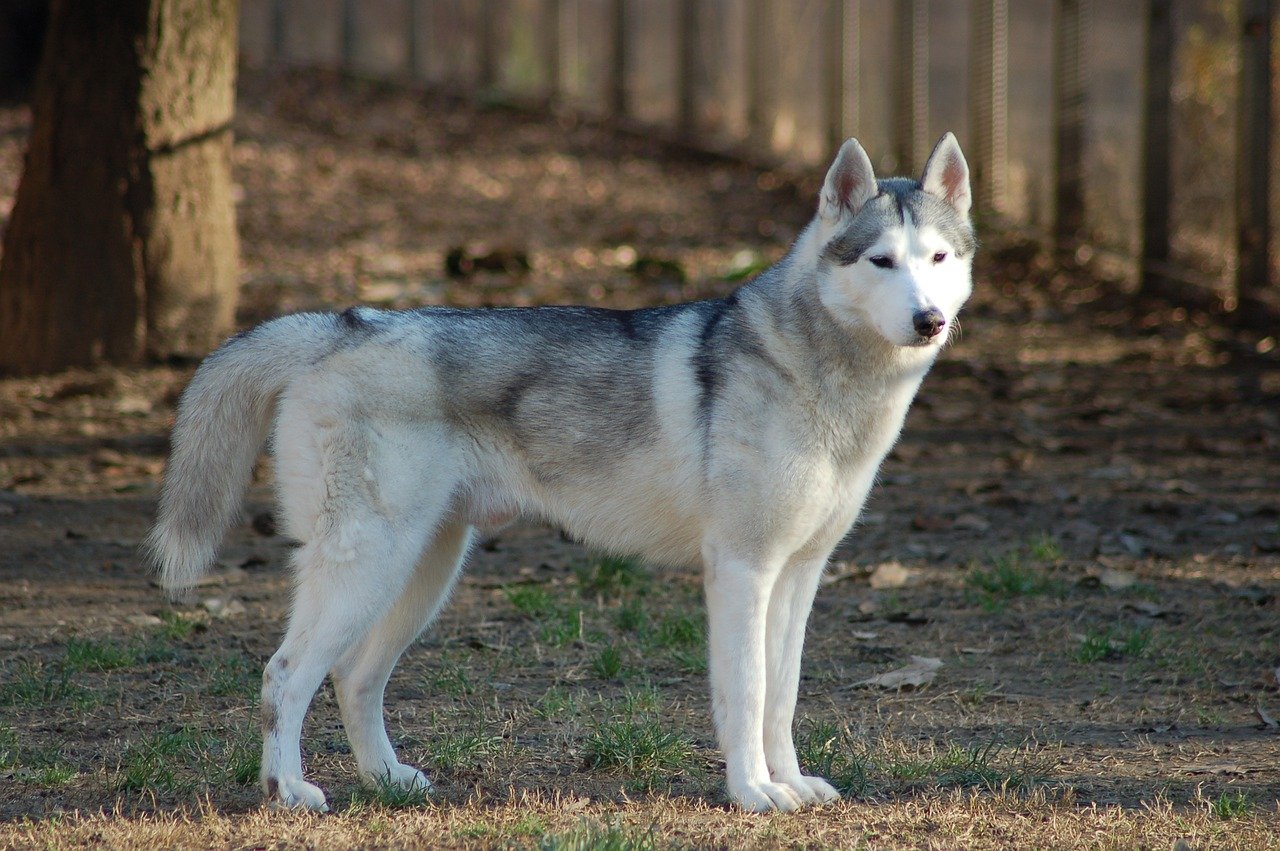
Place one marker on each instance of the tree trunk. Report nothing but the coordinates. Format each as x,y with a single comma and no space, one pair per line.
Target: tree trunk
122,243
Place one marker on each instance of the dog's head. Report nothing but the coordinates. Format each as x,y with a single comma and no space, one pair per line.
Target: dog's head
898,253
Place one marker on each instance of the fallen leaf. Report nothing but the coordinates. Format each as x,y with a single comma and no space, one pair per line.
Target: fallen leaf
1219,768
890,574
863,635
920,672
1149,609
1115,579
223,607
971,523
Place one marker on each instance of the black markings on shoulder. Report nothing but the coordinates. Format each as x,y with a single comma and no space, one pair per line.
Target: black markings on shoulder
351,320
707,357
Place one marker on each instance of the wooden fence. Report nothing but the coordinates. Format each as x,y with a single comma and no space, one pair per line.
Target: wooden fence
1136,131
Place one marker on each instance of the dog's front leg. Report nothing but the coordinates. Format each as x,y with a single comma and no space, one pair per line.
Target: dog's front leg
789,607
737,593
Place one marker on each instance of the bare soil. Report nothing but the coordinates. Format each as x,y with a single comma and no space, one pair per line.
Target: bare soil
1084,503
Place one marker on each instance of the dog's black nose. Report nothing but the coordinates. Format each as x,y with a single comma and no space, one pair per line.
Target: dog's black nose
929,323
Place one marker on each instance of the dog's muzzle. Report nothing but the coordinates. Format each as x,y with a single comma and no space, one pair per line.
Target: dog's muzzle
929,323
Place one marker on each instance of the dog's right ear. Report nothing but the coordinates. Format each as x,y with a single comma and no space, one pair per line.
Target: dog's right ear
850,183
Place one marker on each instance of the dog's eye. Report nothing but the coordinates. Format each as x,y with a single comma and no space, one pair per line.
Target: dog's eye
882,262
939,256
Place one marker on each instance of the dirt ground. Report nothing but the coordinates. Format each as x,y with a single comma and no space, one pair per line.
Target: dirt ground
1081,522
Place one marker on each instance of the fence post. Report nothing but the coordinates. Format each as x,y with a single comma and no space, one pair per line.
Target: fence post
617,93
486,51
1156,144
1253,154
1070,97
549,40
989,101
412,49
840,63
753,30
279,20
909,98
348,35
687,40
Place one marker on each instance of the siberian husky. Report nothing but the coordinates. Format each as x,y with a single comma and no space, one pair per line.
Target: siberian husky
740,434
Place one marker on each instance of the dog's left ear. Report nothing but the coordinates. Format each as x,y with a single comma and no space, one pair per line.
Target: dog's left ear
946,175
850,183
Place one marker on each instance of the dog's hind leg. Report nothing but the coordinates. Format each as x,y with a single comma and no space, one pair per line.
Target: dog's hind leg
789,607
360,677
347,579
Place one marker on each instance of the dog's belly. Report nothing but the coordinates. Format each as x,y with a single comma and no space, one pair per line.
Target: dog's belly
638,505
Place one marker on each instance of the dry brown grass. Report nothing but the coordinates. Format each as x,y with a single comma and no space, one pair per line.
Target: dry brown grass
952,819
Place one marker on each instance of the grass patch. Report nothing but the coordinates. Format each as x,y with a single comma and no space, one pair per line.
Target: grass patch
233,675
531,600
862,769
185,758
1044,547
835,754
1231,805
384,792
555,702
608,663
1007,578
451,750
637,743
449,678
609,577
592,836
42,766
84,654
558,623
176,626
34,684
1100,645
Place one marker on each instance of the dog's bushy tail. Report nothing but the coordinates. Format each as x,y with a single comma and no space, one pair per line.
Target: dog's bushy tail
224,418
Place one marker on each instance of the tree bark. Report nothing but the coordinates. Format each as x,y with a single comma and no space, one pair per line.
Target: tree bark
122,244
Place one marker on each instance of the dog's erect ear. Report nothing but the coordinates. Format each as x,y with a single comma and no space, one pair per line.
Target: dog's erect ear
946,175
850,183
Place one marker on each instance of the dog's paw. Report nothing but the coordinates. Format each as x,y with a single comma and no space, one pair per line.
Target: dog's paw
294,793
812,790
764,797
399,776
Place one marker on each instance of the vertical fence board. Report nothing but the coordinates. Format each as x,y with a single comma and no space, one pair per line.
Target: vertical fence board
909,98
839,69
412,46
549,44
1070,87
1253,209
349,34
688,38
1157,143
486,48
754,71
279,20
989,101
617,93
